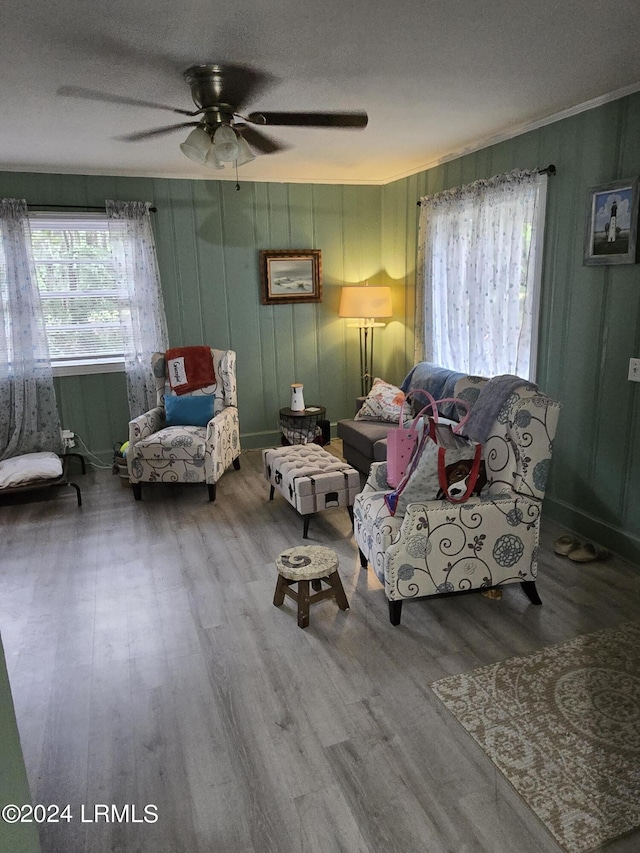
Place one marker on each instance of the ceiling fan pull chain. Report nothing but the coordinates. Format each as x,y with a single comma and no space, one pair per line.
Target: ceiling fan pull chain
237,179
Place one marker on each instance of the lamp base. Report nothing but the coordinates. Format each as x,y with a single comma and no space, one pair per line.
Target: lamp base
366,355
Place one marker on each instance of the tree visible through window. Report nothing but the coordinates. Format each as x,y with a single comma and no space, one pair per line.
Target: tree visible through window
77,285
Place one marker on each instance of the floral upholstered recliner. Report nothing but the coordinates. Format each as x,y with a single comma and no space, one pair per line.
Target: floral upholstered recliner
187,454
492,540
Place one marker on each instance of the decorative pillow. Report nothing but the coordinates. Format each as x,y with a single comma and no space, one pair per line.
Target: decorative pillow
23,470
188,411
383,403
189,368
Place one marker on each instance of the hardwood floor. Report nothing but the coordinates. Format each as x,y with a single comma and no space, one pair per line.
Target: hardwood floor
149,666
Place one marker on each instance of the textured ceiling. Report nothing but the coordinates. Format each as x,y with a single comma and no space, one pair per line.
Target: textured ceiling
435,78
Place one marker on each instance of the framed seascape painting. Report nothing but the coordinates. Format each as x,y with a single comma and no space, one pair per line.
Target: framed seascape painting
291,276
611,228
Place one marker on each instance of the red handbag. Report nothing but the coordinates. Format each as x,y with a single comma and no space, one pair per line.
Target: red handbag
464,454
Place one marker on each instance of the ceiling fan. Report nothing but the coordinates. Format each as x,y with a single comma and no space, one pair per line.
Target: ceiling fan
221,133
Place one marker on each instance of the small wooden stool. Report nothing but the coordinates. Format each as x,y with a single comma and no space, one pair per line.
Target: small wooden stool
306,563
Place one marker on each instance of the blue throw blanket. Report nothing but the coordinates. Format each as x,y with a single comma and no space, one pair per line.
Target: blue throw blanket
492,397
439,381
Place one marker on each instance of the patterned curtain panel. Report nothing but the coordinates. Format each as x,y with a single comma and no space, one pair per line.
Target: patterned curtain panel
477,298
29,420
144,325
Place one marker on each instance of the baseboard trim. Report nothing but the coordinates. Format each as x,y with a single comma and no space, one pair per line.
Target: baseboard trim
105,457
269,438
258,440
248,441
587,526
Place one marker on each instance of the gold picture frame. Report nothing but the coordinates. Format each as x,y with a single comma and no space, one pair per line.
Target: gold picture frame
293,275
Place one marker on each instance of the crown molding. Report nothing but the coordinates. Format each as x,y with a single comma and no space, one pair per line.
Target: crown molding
520,130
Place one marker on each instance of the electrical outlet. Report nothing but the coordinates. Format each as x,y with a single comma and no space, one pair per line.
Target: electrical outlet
68,438
634,370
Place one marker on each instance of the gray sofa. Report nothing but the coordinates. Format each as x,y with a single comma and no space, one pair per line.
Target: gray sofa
365,442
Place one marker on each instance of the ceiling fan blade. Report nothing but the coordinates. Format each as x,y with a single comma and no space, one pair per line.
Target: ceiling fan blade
260,141
158,131
116,50
241,84
94,95
356,119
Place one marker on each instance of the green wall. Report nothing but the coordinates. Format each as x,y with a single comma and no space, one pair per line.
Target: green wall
590,316
208,236
14,787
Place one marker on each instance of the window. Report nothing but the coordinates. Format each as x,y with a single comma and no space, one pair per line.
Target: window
78,290
480,260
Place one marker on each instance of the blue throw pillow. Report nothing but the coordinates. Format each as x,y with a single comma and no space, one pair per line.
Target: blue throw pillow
188,411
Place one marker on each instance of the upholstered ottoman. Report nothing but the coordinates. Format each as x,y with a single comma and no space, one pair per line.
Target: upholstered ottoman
311,479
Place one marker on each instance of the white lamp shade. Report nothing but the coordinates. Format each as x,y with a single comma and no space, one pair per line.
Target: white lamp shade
211,161
196,145
226,144
246,155
367,302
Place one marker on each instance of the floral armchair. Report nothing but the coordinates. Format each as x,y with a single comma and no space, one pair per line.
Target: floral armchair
187,454
438,547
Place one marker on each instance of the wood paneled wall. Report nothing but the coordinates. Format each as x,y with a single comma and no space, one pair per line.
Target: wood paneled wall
590,316
208,236
14,786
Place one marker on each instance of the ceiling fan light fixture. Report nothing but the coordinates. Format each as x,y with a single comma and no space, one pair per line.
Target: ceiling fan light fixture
196,146
246,155
226,143
211,161
219,93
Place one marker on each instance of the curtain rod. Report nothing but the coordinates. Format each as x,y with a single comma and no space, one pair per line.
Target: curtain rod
548,170
81,207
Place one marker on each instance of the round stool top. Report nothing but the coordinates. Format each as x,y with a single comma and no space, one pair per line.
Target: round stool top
305,562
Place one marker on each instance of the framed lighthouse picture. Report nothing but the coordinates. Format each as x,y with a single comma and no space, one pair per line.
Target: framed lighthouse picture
611,226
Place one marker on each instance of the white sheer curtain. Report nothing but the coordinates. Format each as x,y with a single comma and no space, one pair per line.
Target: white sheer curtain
478,255
144,325
29,419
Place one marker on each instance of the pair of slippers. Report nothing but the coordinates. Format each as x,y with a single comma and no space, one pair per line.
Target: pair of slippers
579,552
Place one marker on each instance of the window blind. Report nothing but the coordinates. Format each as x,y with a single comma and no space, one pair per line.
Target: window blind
77,286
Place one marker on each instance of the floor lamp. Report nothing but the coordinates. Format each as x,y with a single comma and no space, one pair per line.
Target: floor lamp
366,305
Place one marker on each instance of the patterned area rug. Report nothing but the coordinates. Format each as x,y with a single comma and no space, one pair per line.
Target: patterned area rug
563,725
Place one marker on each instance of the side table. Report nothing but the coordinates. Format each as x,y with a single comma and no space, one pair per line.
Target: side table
302,427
